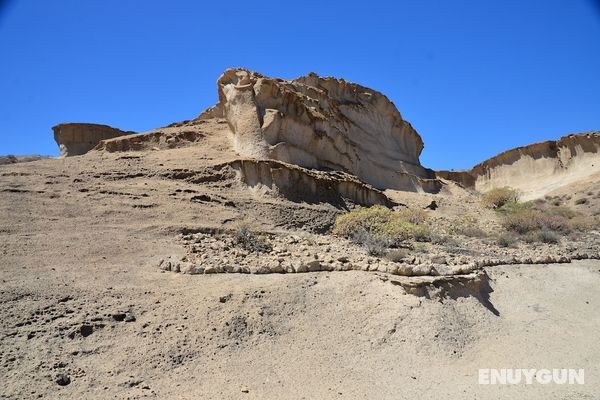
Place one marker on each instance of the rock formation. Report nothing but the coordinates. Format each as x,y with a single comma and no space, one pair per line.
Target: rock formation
323,123
75,139
169,137
301,184
535,169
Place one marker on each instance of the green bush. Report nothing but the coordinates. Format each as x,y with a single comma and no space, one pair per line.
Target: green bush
380,222
498,197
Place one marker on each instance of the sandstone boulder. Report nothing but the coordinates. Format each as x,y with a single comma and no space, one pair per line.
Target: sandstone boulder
323,123
75,139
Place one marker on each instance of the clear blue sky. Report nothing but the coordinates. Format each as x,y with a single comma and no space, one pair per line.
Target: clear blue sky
473,77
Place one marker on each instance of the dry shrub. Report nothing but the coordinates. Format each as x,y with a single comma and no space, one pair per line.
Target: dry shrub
524,218
528,220
252,241
397,255
506,240
376,245
548,236
498,197
412,215
564,211
467,226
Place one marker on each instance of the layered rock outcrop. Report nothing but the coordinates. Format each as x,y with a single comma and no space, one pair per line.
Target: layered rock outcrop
166,138
301,184
325,124
75,139
535,169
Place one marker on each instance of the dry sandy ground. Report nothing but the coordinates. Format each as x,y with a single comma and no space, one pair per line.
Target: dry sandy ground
81,296
320,335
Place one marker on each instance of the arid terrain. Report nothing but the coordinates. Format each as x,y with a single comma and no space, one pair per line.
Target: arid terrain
288,244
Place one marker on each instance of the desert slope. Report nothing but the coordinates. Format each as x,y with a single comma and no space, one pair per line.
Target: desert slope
197,260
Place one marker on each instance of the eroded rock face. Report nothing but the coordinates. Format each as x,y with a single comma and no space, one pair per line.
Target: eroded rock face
75,139
300,184
535,169
326,124
159,139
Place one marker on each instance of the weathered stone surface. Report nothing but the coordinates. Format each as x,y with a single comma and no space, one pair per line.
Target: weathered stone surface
301,184
535,169
75,139
323,123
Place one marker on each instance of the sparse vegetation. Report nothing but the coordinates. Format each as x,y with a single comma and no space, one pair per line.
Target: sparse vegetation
466,226
506,240
378,228
523,218
536,222
375,245
548,236
498,197
396,255
252,241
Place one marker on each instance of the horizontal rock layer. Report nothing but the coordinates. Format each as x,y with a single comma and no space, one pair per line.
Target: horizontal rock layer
301,184
159,139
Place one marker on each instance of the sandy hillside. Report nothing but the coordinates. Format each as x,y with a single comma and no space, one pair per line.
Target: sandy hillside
204,260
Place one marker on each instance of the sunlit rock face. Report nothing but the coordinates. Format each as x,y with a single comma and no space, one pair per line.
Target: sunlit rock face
535,169
325,124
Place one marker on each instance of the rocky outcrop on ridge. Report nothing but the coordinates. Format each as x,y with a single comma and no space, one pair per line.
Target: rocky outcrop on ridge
301,184
535,169
323,123
75,139
164,138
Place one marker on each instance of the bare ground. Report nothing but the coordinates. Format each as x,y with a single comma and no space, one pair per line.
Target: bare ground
83,303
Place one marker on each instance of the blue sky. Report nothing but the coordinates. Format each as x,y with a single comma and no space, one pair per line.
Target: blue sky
473,77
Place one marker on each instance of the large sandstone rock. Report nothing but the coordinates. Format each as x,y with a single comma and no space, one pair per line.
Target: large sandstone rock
75,139
535,169
323,123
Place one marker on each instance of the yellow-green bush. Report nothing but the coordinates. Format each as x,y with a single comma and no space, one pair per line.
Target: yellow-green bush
382,222
498,197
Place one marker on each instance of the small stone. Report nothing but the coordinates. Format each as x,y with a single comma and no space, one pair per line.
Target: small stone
119,317
62,379
176,267
224,299
314,265
244,389
302,268
86,330
438,260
